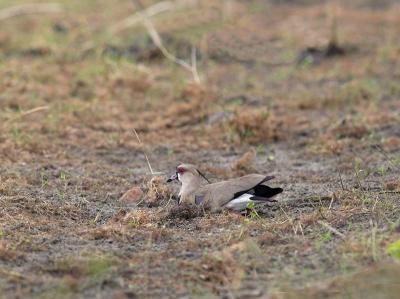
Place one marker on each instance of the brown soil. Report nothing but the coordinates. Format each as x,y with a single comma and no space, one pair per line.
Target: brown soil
329,132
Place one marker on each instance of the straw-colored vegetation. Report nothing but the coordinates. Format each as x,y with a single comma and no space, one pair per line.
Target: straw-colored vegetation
273,96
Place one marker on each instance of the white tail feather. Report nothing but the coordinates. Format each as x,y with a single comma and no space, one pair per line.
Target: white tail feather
240,203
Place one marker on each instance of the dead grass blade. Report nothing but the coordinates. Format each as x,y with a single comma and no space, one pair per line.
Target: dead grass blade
332,229
145,155
37,109
156,38
147,159
25,113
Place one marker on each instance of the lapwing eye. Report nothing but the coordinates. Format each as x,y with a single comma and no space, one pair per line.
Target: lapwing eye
180,170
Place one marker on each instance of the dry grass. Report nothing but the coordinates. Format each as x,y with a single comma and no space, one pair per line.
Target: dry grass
245,164
7,252
184,211
254,127
372,282
158,191
328,131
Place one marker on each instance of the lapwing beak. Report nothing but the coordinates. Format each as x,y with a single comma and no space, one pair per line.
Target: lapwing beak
173,178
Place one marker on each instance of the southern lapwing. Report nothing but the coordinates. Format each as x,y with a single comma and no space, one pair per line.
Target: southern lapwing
234,194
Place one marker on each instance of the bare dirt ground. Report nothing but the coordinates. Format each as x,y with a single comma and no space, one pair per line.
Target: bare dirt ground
274,99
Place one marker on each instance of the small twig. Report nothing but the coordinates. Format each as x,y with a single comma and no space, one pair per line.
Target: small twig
34,110
358,179
332,229
145,155
158,42
24,113
98,215
301,229
147,159
156,38
330,204
30,8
